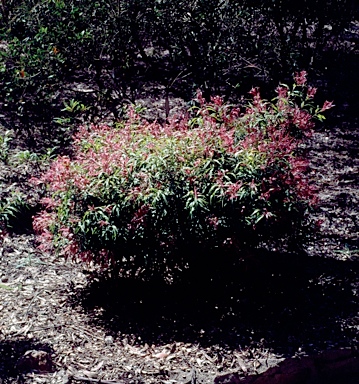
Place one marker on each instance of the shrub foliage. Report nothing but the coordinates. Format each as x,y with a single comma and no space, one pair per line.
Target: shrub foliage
207,44
139,194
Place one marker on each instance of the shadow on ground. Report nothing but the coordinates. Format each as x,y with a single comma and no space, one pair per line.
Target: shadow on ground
12,362
282,301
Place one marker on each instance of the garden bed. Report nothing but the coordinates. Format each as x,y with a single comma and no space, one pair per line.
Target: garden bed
210,324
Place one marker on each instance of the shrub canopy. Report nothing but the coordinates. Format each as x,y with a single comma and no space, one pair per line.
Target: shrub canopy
145,192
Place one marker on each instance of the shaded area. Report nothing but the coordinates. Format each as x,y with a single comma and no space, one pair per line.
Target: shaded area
329,367
281,301
21,223
12,364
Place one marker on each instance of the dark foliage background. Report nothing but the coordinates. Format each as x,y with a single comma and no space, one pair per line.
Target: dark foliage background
220,46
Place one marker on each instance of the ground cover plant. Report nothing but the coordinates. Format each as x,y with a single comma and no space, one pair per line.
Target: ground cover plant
137,195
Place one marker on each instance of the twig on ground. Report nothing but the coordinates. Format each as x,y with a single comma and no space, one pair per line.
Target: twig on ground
99,381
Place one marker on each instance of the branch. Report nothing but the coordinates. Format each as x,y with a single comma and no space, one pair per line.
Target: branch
99,381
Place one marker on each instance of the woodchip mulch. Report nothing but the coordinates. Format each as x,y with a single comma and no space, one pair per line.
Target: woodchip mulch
36,315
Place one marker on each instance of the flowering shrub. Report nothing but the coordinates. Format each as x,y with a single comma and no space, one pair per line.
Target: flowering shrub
137,195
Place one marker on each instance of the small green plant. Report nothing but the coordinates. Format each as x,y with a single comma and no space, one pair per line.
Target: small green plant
10,207
74,106
63,121
140,194
73,110
5,141
26,156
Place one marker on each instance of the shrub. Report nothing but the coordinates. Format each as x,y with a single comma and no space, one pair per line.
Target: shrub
43,44
139,195
215,45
